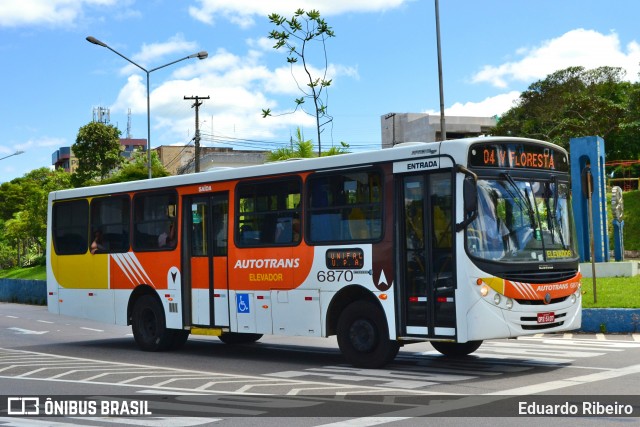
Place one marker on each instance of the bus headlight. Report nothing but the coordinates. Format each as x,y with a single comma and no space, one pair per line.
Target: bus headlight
496,299
509,303
573,298
484,290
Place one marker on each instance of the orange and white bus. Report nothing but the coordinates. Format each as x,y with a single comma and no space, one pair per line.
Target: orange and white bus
452,243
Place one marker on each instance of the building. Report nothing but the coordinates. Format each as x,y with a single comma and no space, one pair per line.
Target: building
132,144
179,159
64,158
419,127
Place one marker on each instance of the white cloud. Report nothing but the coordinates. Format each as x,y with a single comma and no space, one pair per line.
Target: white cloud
34,143
579,47
239,88
47,12
243,12
489,107
176,44
132,95
47,141
151,55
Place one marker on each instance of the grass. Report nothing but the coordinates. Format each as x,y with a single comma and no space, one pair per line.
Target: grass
38,272
612,292
631,220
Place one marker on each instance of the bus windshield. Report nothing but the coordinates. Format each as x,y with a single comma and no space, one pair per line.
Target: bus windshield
522,221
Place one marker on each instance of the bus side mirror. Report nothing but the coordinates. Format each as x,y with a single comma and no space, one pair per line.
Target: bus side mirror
470,194
470,197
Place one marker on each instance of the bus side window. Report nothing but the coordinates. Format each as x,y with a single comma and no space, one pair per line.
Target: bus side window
345,206
110,216
153,216
71,227
268,213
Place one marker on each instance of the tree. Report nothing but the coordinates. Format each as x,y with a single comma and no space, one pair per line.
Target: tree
301,149
136,169
578,102
297,35
97,149
23,226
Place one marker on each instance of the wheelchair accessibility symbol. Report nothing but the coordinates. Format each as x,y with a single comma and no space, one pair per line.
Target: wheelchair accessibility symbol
242,302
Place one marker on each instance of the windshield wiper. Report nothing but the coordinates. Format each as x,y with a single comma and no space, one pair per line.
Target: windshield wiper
553,224
528,208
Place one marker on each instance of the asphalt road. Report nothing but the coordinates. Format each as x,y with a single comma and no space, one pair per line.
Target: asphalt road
305,381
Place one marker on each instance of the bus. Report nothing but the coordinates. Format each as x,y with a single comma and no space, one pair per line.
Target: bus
450,243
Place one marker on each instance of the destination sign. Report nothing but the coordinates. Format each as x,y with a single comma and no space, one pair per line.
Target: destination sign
345,258
518,156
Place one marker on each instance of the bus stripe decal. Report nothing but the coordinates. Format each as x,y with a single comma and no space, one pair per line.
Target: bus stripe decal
134,260
132,268
525,289
516,286
116,258
126,258
521,287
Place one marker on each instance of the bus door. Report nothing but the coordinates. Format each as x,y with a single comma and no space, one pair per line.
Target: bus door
206,231
427,282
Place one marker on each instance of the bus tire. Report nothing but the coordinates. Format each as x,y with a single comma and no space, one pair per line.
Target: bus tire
238,338
178,339
456,349
149,326
363,336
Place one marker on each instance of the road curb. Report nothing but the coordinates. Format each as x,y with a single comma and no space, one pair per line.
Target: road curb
610,320
23,291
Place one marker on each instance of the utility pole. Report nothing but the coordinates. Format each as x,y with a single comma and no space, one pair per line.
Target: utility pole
196,140
443,128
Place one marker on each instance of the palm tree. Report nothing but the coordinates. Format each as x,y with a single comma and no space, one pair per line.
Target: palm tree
301,149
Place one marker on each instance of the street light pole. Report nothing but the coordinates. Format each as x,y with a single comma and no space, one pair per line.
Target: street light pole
200,55
11,155
443,128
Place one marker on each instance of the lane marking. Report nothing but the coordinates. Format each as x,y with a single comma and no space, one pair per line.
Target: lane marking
472,401
365,422
91,329
570,382
27,331
155,421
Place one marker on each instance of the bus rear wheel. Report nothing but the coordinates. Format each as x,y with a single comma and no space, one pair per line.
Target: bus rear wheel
456,349
149,325
179,338
237,338
363,336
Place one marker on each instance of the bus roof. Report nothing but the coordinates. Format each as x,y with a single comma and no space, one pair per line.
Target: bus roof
408,150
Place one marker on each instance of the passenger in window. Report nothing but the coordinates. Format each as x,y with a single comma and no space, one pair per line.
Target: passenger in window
98,244
167,238
296,229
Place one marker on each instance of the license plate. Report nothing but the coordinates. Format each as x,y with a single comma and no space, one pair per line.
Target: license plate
549,317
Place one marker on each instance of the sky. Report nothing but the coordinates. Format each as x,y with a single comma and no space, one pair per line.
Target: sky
382,59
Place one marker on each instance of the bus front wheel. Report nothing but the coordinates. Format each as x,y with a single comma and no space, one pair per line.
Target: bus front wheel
149,326
456,349
363,336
